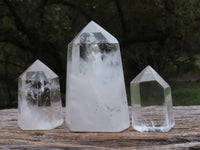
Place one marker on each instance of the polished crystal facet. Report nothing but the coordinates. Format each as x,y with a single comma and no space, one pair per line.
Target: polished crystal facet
39,101
96,98
151,102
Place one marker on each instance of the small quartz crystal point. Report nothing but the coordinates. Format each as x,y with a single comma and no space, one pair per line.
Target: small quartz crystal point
151,102
95,94
39,100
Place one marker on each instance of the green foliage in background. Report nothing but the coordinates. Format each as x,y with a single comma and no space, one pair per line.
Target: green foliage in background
186,93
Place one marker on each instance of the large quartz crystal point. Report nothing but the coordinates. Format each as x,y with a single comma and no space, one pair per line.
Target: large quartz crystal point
151,102
39,100
96,97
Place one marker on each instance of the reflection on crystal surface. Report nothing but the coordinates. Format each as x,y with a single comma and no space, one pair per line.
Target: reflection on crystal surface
151,102
96,98
39,102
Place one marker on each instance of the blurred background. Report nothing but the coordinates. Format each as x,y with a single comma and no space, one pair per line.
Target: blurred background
162,33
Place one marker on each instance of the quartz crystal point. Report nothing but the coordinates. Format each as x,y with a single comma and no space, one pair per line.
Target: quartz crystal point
96,98
151,102
39,101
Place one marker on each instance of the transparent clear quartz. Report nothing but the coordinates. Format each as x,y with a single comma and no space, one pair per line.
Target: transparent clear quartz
96,98
151,102
39,100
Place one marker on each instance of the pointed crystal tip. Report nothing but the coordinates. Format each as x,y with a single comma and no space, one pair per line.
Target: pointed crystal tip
93,31
39,66
37,61
92,23
149,67
149,74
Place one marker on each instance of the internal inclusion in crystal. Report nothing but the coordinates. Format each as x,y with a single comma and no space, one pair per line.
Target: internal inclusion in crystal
39,99
94,73
151,102
38,92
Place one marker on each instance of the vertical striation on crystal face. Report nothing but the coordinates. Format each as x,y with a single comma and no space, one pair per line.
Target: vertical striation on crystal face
95,94
39,100
151,102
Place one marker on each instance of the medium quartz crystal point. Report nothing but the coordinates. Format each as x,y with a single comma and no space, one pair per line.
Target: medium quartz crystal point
151,102
39,101
96,98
